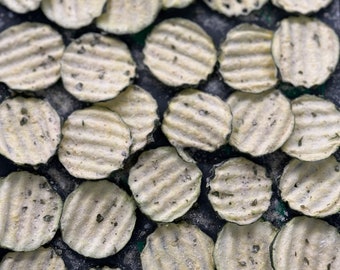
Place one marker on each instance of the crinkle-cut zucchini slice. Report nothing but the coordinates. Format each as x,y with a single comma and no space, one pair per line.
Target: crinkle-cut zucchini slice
179,52
95,142
30,211
244,247
305,50
176,3
312,187
128,16
21,6
98,219
306,243
316,133
30,130
30,56
240,191
197,119
246,61
178,246
163,185
302,6
138,109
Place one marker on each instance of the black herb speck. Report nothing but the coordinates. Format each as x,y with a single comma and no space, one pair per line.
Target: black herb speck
300,142
79,86
242,263
23,121
48,218
306,261
254,202
255,248
99,218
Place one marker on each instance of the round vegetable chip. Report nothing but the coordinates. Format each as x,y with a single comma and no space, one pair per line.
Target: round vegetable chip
240,191
42,259
197,119
235,7
95,67
305,50
30,56
21,6
302,7
178,246
163,185
179,52
313,188
30,211
261,122
316,133
176,3
246,61
98,219
128,16
244,247
30,130
306,243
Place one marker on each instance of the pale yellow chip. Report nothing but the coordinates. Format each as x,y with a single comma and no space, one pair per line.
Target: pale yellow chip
176,3
21,6
235,7
301,6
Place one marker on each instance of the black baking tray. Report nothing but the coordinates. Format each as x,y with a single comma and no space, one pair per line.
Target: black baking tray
201,214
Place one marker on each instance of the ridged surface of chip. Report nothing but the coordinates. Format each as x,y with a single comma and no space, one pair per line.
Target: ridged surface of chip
312,187
178,246
30,130
192,118
30,56
138,109
316,133
95,142
261,122
21,6
240,191
163,185
176,3
179,52
96,68
305,50
98,219
306,243
42,259
246,61
128,16
244,247
302,6
30,211
235,7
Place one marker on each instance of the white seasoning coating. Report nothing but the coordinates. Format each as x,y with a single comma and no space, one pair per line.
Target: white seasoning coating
21,6
235,7
301,6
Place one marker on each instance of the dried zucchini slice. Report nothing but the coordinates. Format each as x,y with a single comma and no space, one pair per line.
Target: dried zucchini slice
30,56
246,61
163,185
21,6
96,68
30,211
313,188
240,191
179,52
235,7
138,109
176,3
261,122
95,142
192,118
306,243
98,219
178,246
305,50
302,7
316,133
244,247
30,130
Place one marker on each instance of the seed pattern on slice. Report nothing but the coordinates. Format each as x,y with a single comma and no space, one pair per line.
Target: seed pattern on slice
128,16
306,243
138,109
72,14
163,185
235,7
30,211
302,6
95,142
240,191
30,56
246,61
98,219
305,50
21,6
313,188
179,52
176,3
95,67
316,133
178,246
261,122
244,247
30,130
42,259
192,118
